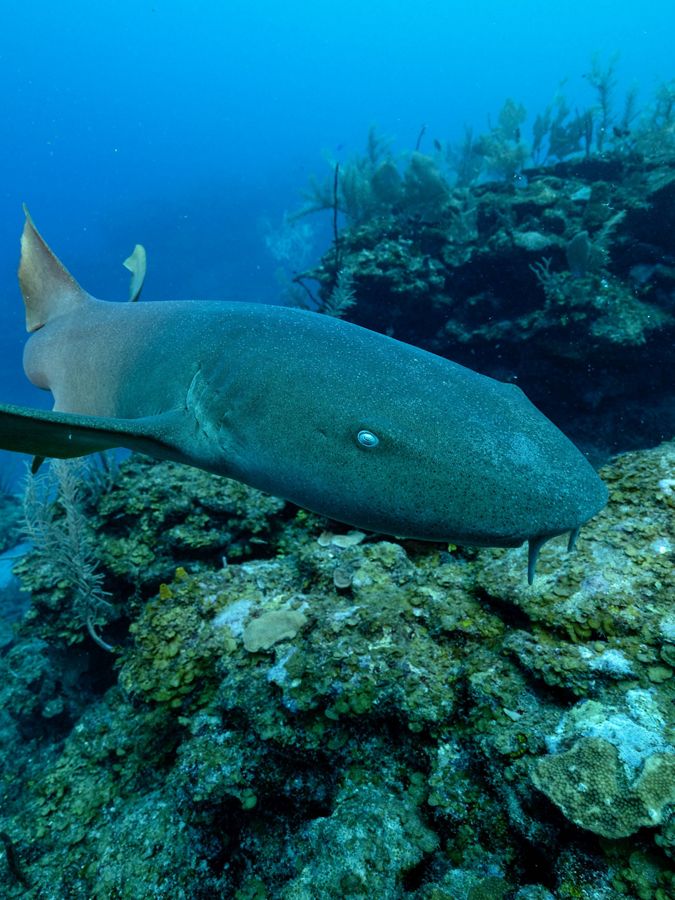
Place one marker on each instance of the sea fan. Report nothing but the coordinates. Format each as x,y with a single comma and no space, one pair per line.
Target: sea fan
342,296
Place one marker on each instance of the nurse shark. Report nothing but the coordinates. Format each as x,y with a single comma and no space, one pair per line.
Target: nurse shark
336,418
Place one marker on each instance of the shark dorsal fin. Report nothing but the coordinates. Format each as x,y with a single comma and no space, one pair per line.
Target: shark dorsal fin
48,288
136,264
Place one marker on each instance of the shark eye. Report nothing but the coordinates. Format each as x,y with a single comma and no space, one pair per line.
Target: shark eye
367,439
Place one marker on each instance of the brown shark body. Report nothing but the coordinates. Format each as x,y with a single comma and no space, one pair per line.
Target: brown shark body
336,418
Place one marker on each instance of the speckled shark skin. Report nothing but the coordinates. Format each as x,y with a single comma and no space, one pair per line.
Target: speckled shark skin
336,418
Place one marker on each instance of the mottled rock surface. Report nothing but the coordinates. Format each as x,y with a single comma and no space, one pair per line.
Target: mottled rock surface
431,727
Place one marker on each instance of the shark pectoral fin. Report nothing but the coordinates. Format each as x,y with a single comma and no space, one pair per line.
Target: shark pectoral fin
137,264
65,435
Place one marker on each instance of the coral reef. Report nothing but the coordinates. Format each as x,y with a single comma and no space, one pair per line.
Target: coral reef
564,283
148,520
550,264
319,713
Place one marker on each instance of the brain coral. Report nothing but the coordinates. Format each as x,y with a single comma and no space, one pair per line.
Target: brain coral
589,785
618,775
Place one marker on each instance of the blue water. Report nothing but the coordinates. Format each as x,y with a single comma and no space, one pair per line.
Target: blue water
187,127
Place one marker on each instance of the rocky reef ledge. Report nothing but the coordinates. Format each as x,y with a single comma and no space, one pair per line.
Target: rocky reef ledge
296,710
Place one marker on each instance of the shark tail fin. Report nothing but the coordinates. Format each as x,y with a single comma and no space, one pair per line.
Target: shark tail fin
66,435
48,288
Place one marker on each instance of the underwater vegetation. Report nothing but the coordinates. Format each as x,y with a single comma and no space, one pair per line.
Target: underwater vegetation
550,263
292,709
